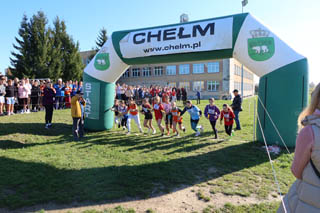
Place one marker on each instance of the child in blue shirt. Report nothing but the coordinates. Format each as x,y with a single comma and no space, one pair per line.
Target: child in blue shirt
195,114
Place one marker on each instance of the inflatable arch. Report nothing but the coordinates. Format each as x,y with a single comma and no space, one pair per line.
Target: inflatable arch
283,87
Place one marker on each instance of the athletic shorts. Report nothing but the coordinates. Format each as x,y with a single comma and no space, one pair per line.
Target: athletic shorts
168,118
2,101
10,100
148,116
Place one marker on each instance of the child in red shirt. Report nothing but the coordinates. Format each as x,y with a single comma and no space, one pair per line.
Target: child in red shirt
158,112
228,116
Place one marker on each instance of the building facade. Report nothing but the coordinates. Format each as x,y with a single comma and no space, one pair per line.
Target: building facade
214,78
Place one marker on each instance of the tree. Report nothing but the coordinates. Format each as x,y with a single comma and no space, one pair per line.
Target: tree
102,38
21,66
44,52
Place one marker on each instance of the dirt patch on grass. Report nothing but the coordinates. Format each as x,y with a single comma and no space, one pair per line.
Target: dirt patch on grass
181,200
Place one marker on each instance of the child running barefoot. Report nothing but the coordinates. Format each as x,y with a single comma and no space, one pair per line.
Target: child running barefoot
133,114
175,111
167,110
195,114
228,116
212,113
158,112
146,110
123,111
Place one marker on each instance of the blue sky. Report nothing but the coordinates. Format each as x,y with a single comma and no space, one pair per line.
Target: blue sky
294,21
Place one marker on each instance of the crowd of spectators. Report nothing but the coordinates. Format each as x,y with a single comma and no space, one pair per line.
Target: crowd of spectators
20,96
138,93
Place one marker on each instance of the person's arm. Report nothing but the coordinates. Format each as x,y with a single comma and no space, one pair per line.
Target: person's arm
302,155
206,111
183,111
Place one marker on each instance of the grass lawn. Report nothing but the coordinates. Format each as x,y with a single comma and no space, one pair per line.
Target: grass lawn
41,166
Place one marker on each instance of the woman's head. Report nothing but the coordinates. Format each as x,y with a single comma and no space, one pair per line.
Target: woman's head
157,99
314,104
189,103
145,101
225,107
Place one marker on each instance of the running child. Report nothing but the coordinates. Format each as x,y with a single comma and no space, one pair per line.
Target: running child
158,113
146,110
133,114
228,116
167,110
123,111
175,111
195,114
212,113
117,116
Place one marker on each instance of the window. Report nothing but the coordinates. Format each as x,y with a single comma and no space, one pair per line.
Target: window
158,71
172,84
135,72
213,67
237,85
198,85
198,68
184,69
146,71
213,86
184,84
126,74
171,70
237,70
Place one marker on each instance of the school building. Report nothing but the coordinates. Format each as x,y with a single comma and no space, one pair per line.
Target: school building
214,78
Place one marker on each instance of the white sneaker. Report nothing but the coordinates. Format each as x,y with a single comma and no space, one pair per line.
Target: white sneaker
197,134
201,128
47,126
128,133
154,132
27,111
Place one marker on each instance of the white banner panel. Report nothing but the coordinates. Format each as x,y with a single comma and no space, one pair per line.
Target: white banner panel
189,37
259,49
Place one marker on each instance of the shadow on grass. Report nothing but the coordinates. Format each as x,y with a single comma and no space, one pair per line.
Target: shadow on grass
28,183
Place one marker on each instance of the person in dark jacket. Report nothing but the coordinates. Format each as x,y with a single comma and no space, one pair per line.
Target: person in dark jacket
184,95
10,97
236,107
35,96
48,100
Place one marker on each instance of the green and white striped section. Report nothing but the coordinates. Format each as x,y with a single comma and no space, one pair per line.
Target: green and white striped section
283,72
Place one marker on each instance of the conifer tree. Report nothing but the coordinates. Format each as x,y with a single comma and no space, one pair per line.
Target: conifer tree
102,38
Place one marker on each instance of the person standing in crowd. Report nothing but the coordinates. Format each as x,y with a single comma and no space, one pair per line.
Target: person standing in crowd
67,95
35,96
212,113
59,94
77,112
29,88
228,116
184,96
2,95
195,114
118,91
10,99
303,196
236,107
198,96
178,94
80,87
23,96
48,101
123,110
17,104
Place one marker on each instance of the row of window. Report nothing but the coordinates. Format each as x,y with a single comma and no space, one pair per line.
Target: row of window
184,69
212,86
246,86
246,73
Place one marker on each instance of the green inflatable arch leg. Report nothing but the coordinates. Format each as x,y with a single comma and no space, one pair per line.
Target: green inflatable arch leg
99,96
284,93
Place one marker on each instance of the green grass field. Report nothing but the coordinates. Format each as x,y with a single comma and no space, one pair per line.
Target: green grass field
39,166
